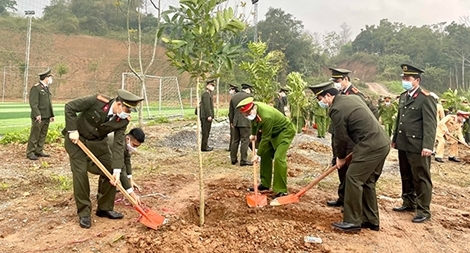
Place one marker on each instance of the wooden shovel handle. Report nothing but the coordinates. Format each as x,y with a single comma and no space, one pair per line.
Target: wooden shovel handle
255,183
106,172
318,179
463,143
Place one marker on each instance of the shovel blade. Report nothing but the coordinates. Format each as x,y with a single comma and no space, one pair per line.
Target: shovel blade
150,218
254,200
284,200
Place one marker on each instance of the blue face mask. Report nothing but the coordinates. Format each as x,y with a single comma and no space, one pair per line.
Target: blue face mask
323,105
407,85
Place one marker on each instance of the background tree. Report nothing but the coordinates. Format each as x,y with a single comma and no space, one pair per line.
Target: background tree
6,6
297,99
196,45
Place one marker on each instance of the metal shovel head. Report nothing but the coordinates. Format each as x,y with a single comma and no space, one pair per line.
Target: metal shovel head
292,198
256,200
150,218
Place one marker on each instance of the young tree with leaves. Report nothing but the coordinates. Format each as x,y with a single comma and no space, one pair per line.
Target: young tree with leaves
196,45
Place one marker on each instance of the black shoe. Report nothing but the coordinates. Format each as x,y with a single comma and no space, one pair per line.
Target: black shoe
280,194
234,162
404,209
246,163
207,149
85,222
33,157
42,154
454,159
335,203
347,227
260,188
439,159
370,226
109,214
419,219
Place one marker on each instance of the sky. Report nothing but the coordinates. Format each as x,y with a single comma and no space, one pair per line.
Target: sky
323,16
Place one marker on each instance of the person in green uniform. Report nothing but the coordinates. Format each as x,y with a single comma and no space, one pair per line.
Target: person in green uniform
206,114
232,90
388,111
41,116
281,102
341,80
90,119
277,135
414,137
320,119
240,128
353,121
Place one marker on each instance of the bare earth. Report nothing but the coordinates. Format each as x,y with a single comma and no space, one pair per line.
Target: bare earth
379,89
38,215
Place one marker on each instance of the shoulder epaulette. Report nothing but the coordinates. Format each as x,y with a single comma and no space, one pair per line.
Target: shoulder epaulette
103,98
425,93
37,84
355,90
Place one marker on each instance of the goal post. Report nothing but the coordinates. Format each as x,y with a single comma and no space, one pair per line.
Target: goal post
162,95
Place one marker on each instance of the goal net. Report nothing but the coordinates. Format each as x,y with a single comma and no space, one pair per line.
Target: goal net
162,95
13,82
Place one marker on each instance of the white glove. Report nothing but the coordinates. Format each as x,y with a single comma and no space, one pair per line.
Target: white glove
73,136
252,137
116,175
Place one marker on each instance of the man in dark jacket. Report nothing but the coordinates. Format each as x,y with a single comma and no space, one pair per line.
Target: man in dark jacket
207,114
41,115
353,121
414,136
240,129
90,119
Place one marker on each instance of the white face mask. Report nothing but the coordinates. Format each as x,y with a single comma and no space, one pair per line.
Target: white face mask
50,81
387,103
231,92
211,88
122,114
251,116
338,86
130,148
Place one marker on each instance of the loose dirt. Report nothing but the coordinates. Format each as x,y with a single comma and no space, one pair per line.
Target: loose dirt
38,214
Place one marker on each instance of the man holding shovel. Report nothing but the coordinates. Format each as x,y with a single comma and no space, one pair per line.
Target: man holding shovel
353,121
277,134
450,126
97,117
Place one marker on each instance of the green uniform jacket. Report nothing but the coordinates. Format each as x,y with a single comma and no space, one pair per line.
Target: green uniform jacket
271,122
207,105
234,115
416,123
351,90
92,124
353,121
40,101
387,112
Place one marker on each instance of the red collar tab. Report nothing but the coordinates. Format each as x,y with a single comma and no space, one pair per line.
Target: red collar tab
258,118
106,108
415,95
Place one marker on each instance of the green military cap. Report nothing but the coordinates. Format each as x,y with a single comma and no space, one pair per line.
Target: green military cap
246,104
44,74
409,70
128,99
338,73
387,96
210,81
319,89
233,86
246,86
284,90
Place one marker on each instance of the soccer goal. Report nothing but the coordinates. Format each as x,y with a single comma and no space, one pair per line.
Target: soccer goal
162,95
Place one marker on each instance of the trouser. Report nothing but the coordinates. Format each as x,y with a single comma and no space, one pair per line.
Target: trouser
37,136
360,199
415,171
441,142
277,151
241,136
231,139
321,125
206,130
298,122
342,171
388,128
81,165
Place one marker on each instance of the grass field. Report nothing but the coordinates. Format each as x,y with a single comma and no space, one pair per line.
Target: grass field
16,116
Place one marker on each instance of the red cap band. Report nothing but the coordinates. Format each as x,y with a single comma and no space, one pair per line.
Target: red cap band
246,107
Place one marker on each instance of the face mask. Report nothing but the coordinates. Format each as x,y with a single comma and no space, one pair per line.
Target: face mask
231,92
123,115
463,121
50,81
406,85
387,103
211,88
130,148
323,104
251,116
338,86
